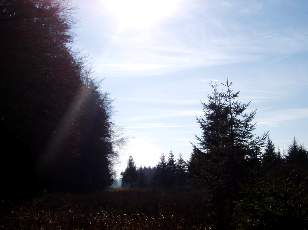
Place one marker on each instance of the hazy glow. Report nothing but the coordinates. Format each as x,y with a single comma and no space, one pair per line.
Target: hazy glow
140,14
144,151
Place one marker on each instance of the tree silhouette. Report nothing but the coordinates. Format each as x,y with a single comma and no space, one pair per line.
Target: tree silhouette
227,149
278,197
130,176
170,174
271,158
47,101
297,155
181,173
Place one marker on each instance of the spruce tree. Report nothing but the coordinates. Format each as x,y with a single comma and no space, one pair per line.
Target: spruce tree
160,175
271,158
181,173
297,154
227,151
171,171
129,176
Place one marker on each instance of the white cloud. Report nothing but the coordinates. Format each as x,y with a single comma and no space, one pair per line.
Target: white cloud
152,58
165,114
160,101
280,116
128,67
153,125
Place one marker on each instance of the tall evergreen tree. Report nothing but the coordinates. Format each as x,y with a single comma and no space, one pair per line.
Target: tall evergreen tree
227,149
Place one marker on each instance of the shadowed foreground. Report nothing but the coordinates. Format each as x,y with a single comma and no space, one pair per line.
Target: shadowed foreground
122,209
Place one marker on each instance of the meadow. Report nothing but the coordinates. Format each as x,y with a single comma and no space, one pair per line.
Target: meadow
115,209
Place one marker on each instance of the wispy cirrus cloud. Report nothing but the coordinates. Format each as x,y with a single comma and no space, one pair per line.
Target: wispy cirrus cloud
153,125
165,114
284,115
160,101
202,34
217,50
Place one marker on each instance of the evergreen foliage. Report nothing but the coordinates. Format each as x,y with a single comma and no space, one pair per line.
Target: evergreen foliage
55,124
169,175
227,152
297,155
130,176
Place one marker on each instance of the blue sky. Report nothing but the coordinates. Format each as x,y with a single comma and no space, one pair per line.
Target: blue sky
157,58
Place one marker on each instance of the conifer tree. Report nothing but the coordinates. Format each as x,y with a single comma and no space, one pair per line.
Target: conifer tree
297,155
271,157
181,173
159,178
129,176
171,171
227,151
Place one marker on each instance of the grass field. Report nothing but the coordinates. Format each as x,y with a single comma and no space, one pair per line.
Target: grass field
116,209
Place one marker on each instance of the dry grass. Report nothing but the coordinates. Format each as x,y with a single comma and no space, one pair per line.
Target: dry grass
118,209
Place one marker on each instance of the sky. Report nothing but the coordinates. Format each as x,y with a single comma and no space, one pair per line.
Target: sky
156,59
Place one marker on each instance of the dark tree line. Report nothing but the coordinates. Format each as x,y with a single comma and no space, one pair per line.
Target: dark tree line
247,182
167,174
56,132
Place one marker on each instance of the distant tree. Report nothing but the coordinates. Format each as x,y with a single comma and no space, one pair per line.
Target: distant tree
160,179
130,176
227,150
271,158
141,180
162,163
171,161
181,173
269,153
145,178
170,174
197,168
297,155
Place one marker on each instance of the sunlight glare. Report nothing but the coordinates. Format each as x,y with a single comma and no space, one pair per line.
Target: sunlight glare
140,14
144,151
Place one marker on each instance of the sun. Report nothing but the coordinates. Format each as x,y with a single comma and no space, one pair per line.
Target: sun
140,14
